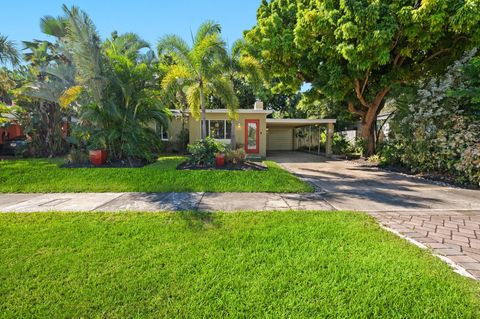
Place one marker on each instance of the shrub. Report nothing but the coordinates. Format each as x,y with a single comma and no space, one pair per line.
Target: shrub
340,145
434,133
235,156
359,146
77,156
203,152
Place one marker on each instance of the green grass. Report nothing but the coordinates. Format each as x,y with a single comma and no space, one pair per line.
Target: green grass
269,264
42,175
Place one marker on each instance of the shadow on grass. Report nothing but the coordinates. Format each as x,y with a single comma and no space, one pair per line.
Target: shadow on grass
199,221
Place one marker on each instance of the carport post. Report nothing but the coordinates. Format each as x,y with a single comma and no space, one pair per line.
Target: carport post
328,146
319,137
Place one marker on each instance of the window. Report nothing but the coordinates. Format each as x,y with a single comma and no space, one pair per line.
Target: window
219,129
164,134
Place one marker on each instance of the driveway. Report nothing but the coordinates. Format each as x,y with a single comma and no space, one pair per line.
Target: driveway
444,219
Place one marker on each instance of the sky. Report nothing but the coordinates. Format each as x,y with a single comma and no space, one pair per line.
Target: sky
150,19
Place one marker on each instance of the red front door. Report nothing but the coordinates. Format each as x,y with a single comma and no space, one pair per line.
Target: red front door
252,136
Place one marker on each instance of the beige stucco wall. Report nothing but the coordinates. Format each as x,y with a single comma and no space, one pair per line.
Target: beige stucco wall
175,128
195,128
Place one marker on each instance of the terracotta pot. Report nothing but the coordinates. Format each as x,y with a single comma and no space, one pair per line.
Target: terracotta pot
220,160
98,157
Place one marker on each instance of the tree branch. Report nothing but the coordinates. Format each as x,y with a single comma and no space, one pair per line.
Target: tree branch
359,93
367,74
352,109
380,95
436,54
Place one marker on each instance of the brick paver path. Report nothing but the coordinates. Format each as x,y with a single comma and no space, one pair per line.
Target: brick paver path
453,234
444,219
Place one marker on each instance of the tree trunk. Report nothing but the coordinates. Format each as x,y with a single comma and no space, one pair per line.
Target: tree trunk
233,139
368,132
204,114
369,114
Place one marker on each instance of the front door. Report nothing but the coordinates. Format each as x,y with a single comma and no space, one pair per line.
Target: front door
252,133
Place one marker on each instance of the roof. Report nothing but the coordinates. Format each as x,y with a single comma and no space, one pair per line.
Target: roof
298,122
226,111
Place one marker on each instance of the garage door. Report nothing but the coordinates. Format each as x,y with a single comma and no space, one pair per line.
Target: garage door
279,139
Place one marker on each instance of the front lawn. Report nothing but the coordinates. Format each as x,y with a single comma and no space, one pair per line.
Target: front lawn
184,265
42,175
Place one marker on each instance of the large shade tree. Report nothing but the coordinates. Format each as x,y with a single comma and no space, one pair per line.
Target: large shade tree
199,69
356,52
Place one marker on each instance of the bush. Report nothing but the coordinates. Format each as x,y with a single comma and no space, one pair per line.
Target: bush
203,152
433,133
235,156
359,146
77,156
340,145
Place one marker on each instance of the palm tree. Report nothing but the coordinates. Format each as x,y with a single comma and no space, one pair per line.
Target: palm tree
8,51
199,69
239,64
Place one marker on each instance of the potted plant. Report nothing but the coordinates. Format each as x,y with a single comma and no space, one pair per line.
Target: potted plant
220,159
97,152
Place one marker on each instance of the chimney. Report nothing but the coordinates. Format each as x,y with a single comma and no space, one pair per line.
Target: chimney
258,105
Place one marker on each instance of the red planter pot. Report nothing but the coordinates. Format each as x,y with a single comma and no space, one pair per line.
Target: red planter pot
220,160
98,157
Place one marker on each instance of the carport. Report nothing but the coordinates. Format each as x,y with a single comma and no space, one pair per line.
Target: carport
294,134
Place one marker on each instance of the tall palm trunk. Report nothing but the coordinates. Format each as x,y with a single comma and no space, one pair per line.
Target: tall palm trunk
204,113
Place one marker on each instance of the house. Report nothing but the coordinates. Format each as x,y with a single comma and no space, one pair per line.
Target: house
254,131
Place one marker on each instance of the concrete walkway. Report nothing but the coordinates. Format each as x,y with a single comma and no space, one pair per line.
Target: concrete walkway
443,219
112,202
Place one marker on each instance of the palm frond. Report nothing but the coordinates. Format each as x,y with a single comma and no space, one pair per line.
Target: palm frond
8,51
222,88
70,95
206,29
176,47
56,27
238,47
206,51
85,47
128,44
177,73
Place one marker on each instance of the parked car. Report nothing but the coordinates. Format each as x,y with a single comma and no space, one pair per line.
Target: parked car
15,146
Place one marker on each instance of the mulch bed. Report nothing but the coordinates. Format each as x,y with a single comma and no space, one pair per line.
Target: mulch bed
116,164
245,166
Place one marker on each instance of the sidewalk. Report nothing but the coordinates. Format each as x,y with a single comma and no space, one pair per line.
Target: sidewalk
110,202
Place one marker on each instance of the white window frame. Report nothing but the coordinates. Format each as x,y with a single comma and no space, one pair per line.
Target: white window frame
161,134
222,140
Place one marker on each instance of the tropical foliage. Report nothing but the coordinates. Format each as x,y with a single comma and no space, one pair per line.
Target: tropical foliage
106,91
356,52
438,129
204,151
8,51
198,70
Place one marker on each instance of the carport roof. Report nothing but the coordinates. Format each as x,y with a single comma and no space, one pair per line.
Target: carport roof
298,122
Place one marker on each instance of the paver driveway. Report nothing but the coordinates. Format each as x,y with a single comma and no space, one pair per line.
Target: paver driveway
445,219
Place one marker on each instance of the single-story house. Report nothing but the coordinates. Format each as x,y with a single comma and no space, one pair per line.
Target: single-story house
256,133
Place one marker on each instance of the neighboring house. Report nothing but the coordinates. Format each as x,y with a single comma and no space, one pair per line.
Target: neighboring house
382,128
254,132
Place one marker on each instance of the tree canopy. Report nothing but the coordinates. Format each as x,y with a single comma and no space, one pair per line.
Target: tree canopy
356,51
